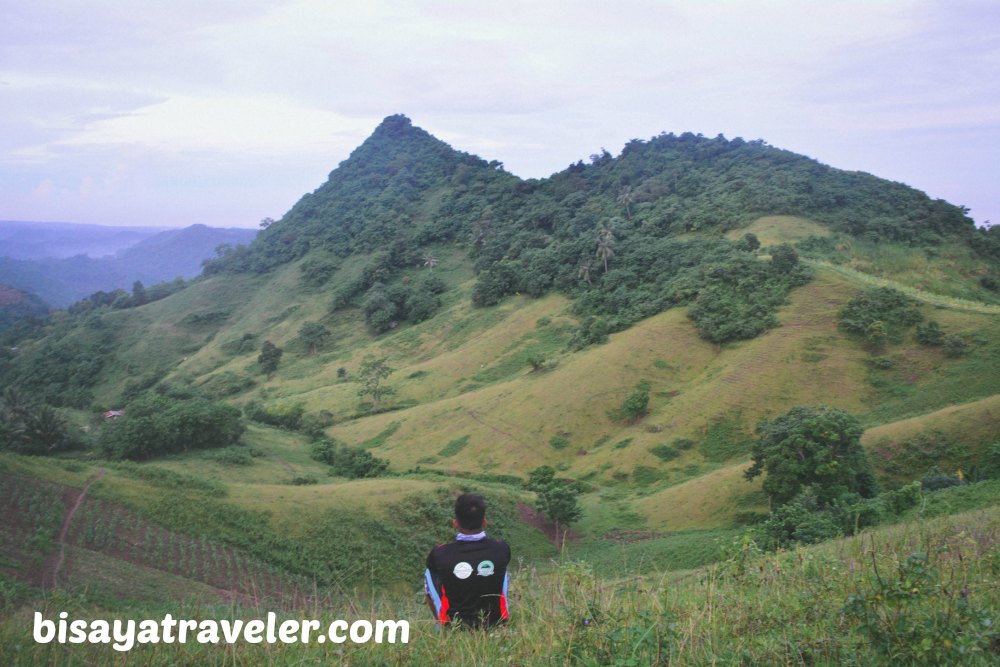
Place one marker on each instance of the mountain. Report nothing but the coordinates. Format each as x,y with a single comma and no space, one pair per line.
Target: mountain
16,304
149,258
628,323
60,240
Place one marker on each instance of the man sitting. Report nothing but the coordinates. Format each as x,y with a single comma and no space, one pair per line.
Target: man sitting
466,580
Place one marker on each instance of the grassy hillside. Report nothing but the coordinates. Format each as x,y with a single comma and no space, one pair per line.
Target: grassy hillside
519,320
826,605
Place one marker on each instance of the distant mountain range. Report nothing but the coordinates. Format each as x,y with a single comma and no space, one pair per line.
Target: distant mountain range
64,262
59,240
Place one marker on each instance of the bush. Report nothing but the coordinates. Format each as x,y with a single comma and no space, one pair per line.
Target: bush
935,480
892,308
800,521
558,442
635,406
287,417
930,333
665,452
954,345
346,461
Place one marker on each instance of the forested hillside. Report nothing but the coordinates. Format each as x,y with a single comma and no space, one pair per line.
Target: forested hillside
700,354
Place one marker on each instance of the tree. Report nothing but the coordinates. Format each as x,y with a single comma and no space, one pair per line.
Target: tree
430,261
584,272
813,446
784,258
557,499
373,371
605,244
314,336
269,358
138,293
625,198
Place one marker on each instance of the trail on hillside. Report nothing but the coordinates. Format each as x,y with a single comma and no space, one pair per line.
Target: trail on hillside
926,297
533,518
50,574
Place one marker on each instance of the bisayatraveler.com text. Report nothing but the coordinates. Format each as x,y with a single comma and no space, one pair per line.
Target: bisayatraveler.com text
124,634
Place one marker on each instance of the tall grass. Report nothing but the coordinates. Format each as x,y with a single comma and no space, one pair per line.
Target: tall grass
926,592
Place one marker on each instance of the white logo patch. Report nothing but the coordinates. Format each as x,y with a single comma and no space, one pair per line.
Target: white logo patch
463,570
485,568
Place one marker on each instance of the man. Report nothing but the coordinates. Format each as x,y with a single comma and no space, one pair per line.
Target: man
466,580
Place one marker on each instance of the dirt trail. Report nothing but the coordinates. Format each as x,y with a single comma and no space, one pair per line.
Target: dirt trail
533,518
54,563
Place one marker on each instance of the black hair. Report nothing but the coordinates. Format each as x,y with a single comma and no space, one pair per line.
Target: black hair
470,510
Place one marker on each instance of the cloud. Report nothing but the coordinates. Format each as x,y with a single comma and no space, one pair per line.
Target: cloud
237,126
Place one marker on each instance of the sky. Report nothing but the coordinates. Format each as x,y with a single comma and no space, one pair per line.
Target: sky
224,112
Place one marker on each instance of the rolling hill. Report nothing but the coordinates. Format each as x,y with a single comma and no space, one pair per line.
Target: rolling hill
512,346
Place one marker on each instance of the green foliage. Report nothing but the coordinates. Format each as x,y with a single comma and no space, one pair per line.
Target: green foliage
803,520
29,427
812,446
591,331
231,456
269,358
559,442
912,615
954,345
665,452
347,461
154,425
725,439
784,259
317,270
634,407
372,375
287,416
881,312
314,336
454,447
220,385
930,333
935,480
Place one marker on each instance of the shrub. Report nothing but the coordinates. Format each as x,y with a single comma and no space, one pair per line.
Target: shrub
892,308
954,345
558,442
347,461
665,452
930,333
935,480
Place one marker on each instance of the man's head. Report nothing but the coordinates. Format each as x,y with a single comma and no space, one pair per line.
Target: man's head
470,513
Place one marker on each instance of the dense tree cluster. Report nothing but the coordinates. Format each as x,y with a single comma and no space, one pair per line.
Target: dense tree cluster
29,427
348,462
155,424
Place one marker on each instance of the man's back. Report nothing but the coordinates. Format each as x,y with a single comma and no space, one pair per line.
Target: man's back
467,580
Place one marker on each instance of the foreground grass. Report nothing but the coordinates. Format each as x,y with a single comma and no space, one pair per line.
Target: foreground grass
925,592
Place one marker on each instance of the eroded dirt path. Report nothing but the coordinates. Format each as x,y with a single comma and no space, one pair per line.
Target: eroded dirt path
73,500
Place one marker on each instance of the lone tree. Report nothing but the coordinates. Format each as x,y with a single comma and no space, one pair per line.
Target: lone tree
557,500
314,336
812,446
371,374
269,358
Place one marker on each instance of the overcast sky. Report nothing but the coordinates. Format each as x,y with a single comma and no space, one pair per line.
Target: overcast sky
144,112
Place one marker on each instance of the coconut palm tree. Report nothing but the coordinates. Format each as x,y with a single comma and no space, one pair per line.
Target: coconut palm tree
625,198
605,249
430,261
583,272
606,241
